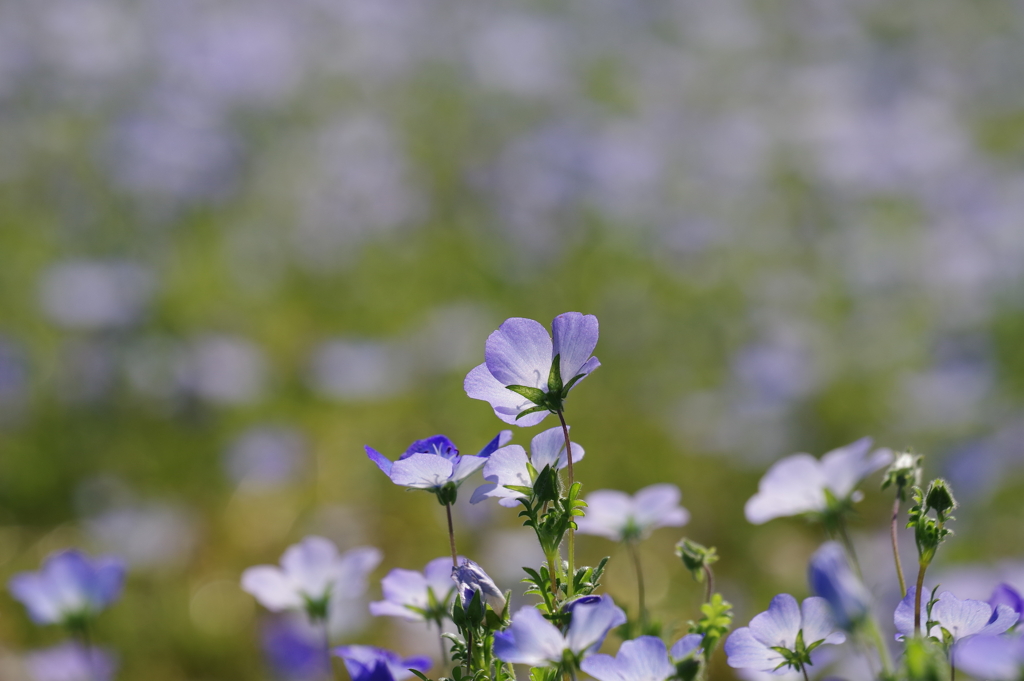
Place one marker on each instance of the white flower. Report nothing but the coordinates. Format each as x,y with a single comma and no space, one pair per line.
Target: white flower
620,517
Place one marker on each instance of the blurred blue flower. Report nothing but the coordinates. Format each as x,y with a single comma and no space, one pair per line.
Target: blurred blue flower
433,463
797,484
510,466
753,646
520,353
534,641
996,658
831,577
961,618
470,577
641,659
313,577
417,596
70,662
1004,594
366,663
294,649
621,517
70,587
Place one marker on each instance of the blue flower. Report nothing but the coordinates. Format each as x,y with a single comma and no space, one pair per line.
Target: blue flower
996,658
511,466
70,587
417,596
534,641
295,649
785,625
366,663
1004,594
520,353
641,659
469,578
832,578
435,462
313,577
70,662
960,618
802,484
621,517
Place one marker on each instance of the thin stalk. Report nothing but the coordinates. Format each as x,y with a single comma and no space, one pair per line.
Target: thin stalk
572,533
444,649
848,545
709,578
552,559
883,650
952,667
327,648
803,668
896,545
635,555
90,661
917,597
451,536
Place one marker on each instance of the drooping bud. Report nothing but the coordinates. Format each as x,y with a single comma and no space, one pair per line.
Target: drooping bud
470,578
695,557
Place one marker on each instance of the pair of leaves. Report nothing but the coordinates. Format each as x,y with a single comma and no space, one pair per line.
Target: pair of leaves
555,395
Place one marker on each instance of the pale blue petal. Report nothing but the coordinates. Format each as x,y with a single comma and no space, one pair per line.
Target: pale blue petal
608,514
961,617
422,471
645,659
832,578
519,353
658,506
591,622
778,626
903,618
466,466
272,588
507,405
38,598
382,461
530,640
995,658
1002,619
744,651
405,587
109,573
845,467
604,668
792,486
500,440
574,337
310,565
507,466
818,623
685,646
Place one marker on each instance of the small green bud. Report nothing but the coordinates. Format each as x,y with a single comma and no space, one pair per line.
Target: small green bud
903,473
447,494
546,487
695,557
940,497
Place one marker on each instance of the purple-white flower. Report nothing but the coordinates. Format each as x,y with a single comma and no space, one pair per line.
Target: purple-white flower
433,463
802,484
70,587
1004,594
313,577
417,596
70,662
295,649
641,659
994,658
833,579
785,625
534,641
960,618
366,663
521,354
621,517
510,466
469,578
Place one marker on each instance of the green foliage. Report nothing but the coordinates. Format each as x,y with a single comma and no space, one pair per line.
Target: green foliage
924,660
696,557
714,624
552,400
930,532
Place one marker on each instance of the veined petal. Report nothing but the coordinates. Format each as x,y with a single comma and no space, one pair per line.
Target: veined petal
818,623
574,338
778,626
998,658
608,514
747,652
499,441
658,506
382,461
845,467
591,622
792,485
547,448
645,659
530,639
903,617
685,646
519,353
507,466
961,617
422,471
1003,617
466,466
481,385
310,565
272,588
604,668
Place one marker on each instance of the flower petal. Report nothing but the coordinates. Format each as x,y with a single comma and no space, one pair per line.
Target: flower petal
382,461
422,471
500,440
466,466
272,588
658,506
903,617
746,652
645,659
574,339
818,622
1003,617
519,353
609,512
961,617
351,569
547,448
310,565
591,623
792,485
507,405
845,467
530,639
604,668
685,646
778,626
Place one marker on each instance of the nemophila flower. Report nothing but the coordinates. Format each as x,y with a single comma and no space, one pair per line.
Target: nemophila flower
1004,594
534,641
832,578
802,484
417,596
295,649
70,662
469,578
313,577
526,374
70,588
621,517
435,464
366,663
994,658
510,467
953,616
784,636
641,659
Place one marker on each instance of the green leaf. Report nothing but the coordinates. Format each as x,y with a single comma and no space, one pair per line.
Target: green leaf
531,410
570,384
535,395
419,674
555,377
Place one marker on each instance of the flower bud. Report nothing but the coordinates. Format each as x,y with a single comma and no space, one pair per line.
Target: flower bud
470,578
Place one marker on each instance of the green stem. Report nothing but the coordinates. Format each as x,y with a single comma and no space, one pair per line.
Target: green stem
848,545
634,553
572,533
709,577
451,536
440,638
896,545
883,650
917,597
86,641
327,648
803,668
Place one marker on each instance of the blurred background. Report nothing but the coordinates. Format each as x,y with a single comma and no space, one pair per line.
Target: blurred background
240,239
